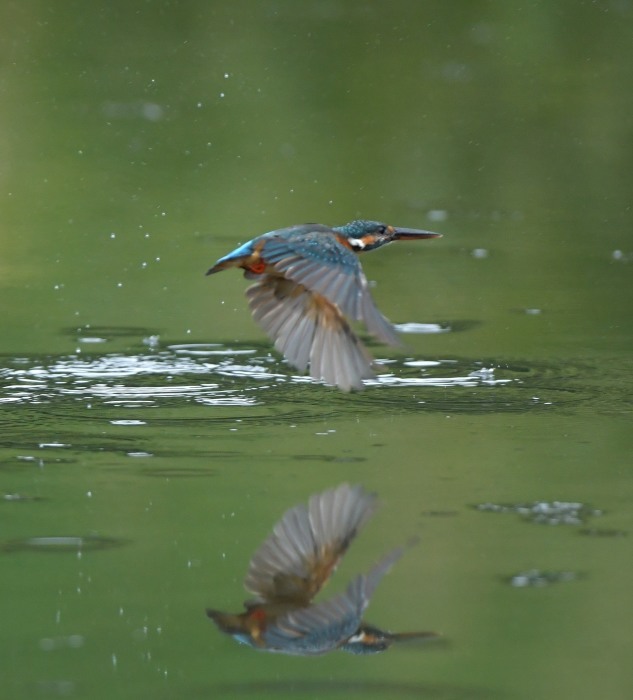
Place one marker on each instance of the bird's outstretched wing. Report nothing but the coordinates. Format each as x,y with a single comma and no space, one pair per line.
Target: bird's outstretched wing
327,625
319,262
306,545
308,329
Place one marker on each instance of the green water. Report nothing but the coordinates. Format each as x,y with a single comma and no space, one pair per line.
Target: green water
150,438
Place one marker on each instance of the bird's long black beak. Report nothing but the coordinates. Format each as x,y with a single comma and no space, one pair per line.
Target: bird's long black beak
410,234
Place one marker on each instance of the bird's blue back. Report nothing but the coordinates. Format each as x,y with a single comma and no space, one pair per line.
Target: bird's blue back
311,241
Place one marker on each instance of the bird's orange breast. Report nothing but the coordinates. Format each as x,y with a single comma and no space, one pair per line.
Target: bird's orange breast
257,620
343,241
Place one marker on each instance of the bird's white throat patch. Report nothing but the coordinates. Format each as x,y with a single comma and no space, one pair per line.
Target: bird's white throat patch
356,243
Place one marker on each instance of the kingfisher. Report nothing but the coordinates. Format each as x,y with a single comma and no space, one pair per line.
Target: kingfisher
291,567
308,282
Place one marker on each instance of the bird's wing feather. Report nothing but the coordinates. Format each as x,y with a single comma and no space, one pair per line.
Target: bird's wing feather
371,580
320,263
307,328
295,561
327,625
319,628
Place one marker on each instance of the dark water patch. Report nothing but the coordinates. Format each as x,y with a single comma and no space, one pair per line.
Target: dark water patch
207,454
472,387
602,532
177,473
65,543
299,688
329,458
28,438
21,462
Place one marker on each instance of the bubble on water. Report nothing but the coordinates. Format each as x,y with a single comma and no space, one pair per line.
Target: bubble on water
70,543
546,512
538,579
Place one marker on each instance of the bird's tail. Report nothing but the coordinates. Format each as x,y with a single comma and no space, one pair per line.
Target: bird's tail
231,624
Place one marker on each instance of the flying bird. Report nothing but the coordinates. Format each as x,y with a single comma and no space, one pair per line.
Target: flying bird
308,283
291,567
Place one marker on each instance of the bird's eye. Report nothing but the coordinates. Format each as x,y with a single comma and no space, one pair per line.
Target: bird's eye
382,229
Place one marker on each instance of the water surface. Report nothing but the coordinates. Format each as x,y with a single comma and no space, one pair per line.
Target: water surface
150,437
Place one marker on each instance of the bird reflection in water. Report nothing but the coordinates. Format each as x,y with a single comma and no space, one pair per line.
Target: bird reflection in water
291,567
308,282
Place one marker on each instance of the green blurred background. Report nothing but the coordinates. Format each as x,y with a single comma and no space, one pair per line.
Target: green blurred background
139,142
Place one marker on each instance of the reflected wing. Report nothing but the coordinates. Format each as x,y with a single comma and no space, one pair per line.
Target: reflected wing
306,545
317,260
327,625
319,628
308,329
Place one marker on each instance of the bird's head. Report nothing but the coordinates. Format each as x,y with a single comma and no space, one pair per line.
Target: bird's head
364,235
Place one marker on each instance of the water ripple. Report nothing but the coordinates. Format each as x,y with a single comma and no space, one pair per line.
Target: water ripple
249,377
